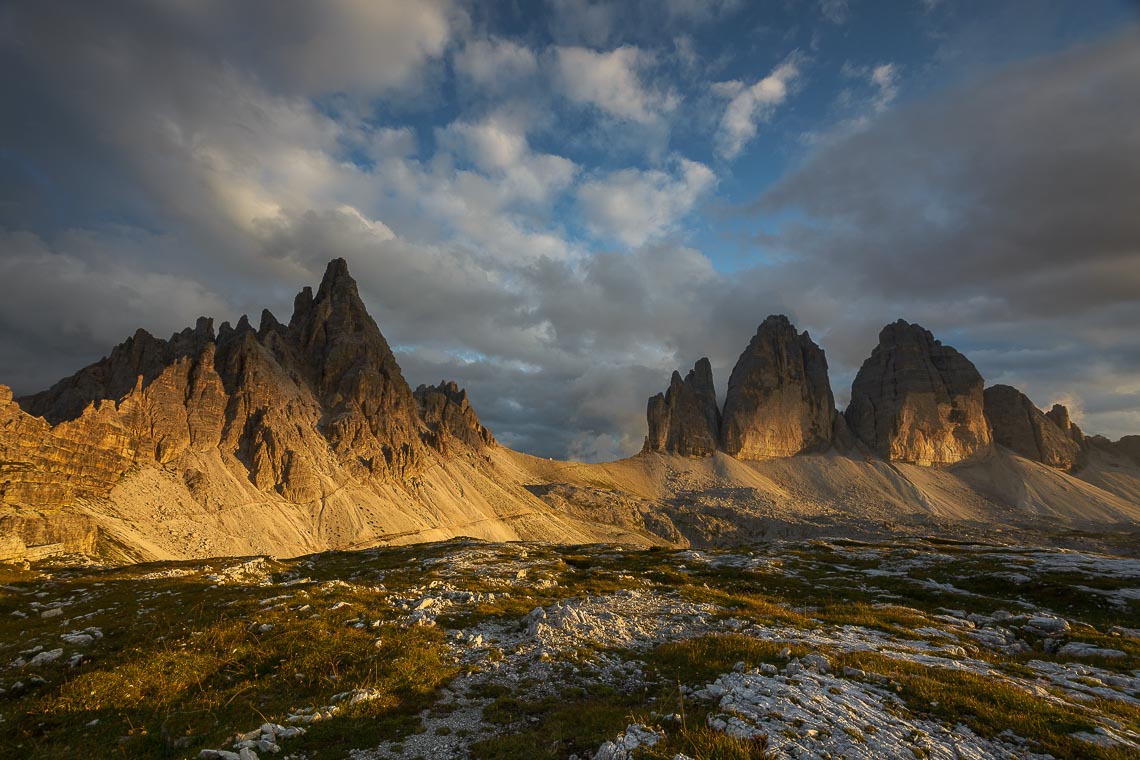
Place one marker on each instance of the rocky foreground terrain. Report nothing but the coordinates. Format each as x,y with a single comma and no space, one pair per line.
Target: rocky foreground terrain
823,649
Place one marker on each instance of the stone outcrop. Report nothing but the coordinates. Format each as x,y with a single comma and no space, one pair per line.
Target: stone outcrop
685,419
779,401
1023,428
295,410
450,418
1059,414
916,400
1128,447
46,466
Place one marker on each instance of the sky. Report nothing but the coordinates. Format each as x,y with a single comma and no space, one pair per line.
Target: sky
558,203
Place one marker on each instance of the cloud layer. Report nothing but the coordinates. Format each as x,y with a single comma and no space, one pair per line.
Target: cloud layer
537,207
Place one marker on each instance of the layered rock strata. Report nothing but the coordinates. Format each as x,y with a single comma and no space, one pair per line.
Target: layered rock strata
1023,428
779,401
293,408
916,400
449,417
685,418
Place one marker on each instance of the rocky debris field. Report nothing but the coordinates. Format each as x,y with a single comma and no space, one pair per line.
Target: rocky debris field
823,649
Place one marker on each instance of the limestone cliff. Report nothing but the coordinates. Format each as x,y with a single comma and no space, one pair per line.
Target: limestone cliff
779,400
685,419
450,418
916,400
1023,428
285,403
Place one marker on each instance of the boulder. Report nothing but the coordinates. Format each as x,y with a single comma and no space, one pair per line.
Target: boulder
916,400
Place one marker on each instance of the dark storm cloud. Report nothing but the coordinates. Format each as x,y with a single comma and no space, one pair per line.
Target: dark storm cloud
1002,214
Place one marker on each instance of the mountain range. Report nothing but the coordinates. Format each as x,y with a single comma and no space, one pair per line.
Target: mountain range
287,439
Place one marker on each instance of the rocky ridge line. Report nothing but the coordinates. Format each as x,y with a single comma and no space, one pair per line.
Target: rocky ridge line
685,419
294,408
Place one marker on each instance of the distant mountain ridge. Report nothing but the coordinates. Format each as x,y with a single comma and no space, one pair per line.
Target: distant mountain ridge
305,436
913,400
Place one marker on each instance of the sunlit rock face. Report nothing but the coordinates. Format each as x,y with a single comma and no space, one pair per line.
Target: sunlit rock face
288,407
1023,428
450,418
779,401
685,418
916,400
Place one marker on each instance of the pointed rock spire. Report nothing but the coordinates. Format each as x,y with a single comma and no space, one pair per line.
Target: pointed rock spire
685,419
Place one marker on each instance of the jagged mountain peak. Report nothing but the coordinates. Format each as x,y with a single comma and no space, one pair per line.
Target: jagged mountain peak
288,403
685,419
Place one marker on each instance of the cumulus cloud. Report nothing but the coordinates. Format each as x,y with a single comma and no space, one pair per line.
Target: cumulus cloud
634,205
496,63
612,82
749,106
500,148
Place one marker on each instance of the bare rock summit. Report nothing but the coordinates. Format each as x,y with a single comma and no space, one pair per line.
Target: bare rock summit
450,418
685,419
779,401
917,400
295,411
1026,430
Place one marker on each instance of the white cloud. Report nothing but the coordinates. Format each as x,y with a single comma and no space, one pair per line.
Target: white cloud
500,148
611,82
878,88
885,79
751,105
495,63
634,206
